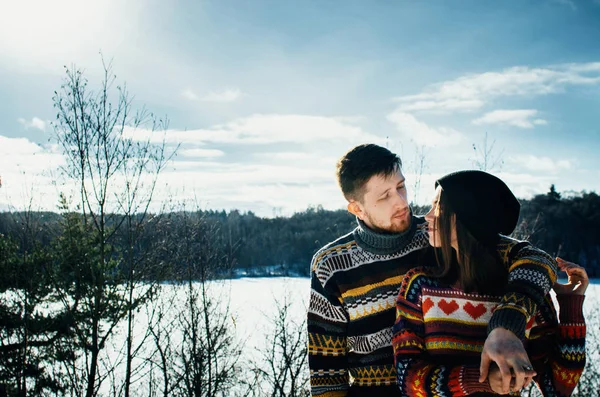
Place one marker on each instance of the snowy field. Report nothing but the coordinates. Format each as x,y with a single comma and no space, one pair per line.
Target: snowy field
252,301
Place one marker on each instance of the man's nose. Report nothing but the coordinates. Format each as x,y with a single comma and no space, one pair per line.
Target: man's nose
401,201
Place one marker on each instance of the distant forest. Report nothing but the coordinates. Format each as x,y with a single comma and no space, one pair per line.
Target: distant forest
566,227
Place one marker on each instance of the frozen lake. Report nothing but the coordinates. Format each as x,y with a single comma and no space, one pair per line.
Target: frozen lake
251,298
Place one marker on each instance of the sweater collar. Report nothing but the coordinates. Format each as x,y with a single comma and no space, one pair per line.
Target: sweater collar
382,243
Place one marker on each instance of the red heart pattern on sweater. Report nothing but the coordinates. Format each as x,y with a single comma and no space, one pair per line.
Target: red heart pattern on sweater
427,304
448,307
475,311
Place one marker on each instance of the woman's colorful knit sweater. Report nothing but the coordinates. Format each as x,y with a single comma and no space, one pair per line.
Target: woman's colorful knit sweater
440,331
355,282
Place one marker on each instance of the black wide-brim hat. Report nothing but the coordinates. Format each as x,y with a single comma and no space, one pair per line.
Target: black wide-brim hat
482,203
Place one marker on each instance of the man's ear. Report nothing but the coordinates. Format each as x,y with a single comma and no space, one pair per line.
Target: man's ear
355,209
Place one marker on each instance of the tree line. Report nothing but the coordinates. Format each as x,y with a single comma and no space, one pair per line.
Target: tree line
567,227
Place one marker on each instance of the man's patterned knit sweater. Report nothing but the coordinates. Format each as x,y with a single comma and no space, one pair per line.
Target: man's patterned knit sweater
355,281
440,331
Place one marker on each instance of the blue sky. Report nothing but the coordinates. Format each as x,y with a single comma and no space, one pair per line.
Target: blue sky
264,96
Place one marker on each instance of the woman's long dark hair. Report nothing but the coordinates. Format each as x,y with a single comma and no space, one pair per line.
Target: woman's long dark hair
476,267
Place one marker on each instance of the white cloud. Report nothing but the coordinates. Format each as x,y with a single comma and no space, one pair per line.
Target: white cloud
265,129
228,95
34,123
189,94
227,175
523,183
287,180
200,153
297,170
541,164
22,155
421,133
471,92
259,187
16,146
526,185
27,171
352,119
287,156
417,103
521,118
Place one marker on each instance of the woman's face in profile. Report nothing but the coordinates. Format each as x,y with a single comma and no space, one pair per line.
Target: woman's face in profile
431,218
433,224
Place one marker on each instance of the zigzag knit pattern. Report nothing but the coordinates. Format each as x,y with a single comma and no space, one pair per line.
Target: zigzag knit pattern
375,376
334,259
532,273
326,345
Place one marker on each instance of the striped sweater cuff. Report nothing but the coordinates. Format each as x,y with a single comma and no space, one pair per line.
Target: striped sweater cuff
570,308
465,381
512,320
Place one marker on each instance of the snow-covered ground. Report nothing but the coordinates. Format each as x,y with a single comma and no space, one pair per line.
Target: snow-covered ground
252,302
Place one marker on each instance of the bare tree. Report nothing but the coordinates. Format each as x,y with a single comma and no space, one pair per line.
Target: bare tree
208,356
196,352
282,367
485,158
419,168
162,327
142,274
416,166
114,173
526,229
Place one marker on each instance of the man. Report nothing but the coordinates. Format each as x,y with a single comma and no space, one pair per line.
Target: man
355,281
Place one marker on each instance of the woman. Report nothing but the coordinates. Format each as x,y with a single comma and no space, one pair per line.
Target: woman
443,312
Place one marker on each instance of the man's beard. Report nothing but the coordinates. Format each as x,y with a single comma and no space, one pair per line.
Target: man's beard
391,227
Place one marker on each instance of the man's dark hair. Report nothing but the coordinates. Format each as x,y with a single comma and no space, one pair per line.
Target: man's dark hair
362,162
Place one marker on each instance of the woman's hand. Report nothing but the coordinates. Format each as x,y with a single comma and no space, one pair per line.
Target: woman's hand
504,352
497,383
577,282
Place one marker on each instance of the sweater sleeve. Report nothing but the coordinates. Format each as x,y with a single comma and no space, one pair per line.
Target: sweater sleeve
417,374
561,365
327,339
532,272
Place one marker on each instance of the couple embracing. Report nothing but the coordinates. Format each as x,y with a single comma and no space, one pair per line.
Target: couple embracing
445,305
